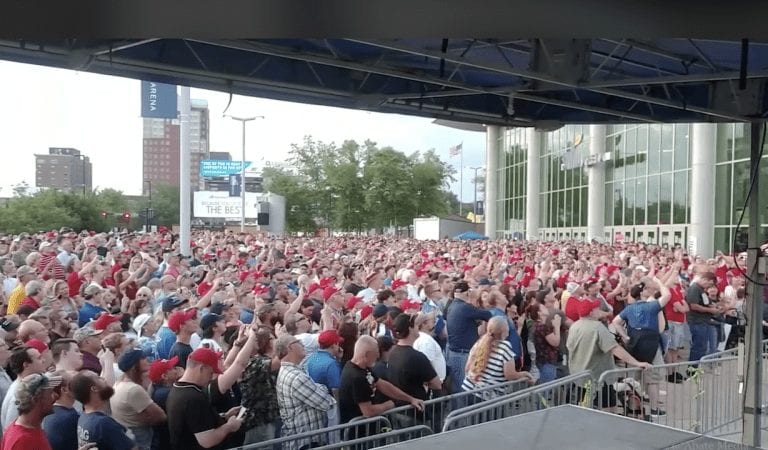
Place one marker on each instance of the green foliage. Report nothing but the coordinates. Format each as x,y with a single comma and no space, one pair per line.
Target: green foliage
51,210
355,187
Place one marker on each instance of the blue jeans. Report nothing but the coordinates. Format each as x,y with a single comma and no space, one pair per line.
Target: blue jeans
547,373
703,340
457,361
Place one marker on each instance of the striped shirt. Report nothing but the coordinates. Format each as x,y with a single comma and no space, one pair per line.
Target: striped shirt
494,371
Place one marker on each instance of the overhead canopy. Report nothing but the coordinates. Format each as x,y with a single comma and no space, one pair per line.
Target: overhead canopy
526,82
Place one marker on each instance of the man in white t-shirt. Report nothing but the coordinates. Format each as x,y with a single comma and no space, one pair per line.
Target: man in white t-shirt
426,344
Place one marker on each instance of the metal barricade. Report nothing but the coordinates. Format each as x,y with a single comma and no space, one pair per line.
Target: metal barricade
563,391
361,426
382,439
707,401
436,409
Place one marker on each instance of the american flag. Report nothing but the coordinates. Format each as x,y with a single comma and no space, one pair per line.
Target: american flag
455,150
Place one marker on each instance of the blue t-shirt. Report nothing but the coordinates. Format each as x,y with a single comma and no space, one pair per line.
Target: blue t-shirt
462,327
61,428
87,313
104,431
165,340
642,315
324,369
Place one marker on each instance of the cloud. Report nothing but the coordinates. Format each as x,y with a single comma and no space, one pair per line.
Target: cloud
99,115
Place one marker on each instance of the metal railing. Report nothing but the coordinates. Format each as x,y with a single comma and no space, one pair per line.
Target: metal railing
566,390
436,409
347,431
381,439
706,400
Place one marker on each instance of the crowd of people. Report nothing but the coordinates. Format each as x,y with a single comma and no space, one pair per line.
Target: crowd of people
119,341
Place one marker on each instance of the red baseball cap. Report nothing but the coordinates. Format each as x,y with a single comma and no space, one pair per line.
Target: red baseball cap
353,301
398,284
178,318
328,338
408,304
328,292
37,345
160,367
366,311
104,320
587,306
208,357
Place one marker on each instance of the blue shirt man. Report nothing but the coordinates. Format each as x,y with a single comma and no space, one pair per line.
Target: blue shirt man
323,366
103,430
61,428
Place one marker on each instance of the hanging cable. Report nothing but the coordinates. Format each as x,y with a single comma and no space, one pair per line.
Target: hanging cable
754,175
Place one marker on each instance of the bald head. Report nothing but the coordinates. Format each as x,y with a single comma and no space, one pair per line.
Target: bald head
366,351
32,329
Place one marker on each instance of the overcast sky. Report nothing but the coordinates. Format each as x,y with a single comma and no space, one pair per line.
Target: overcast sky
100,116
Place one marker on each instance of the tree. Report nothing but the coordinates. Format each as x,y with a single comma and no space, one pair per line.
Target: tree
165,202
299,215
21,189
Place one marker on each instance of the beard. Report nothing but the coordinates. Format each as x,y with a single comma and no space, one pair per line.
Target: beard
106,393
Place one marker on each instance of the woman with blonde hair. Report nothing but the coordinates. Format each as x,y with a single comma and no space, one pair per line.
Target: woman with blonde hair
492,361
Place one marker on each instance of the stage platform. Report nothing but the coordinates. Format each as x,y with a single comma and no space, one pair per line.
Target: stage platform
568,427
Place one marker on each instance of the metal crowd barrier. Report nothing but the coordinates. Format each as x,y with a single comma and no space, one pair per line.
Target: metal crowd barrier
404,417
707,401
563,391
347,431
436,409
382,439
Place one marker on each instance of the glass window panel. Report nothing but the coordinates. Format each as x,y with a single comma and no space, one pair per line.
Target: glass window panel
723,194
723,240
741,136
544,209
681,146
667,145
665,199
544,178
583,206
565,207
653,200
629,202
609,148
609,204
640,201
618,157
618,203
630,152
740,187
680,197
560,199
642,150
561,179
724,144
654,145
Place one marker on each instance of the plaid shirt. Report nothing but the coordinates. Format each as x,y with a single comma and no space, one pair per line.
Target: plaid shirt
303,404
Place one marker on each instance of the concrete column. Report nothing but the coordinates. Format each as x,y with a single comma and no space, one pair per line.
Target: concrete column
533,173
492,151
701,236
596,185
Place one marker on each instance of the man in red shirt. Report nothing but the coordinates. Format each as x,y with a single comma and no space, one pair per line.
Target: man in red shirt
677,332
35,396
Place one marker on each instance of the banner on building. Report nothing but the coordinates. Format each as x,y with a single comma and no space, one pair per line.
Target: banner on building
221,168
219,205
159,100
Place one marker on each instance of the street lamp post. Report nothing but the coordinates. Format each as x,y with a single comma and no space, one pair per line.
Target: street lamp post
243,121
474,205
149,207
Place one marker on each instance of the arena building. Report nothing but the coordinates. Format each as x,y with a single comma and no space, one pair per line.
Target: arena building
655,183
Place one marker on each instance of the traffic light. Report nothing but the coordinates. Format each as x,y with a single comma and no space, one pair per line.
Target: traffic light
104,215
127,216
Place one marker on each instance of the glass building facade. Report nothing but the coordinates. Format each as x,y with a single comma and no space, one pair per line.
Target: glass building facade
645,174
